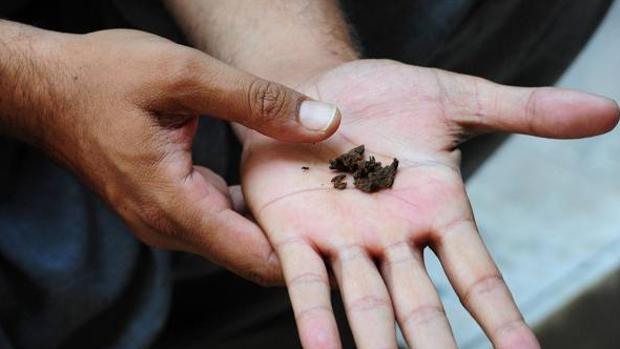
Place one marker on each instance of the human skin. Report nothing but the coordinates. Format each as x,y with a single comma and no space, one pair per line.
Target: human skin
120,109
374,243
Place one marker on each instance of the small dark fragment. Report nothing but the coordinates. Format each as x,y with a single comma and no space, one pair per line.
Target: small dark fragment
364,168
339,178
368,175
340,185
339,182
380,178
305,168
347,162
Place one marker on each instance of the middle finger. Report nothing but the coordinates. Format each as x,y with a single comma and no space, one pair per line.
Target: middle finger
366,299
418,308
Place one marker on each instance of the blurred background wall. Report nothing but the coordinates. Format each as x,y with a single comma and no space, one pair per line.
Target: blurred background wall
549,212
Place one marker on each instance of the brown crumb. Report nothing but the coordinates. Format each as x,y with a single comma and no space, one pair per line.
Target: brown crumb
380,178
338,181
348,161
340,185
305,168
369,176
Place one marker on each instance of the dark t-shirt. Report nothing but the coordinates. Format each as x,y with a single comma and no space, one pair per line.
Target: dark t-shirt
73,275
71,272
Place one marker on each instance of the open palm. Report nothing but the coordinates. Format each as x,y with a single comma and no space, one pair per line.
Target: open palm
373,243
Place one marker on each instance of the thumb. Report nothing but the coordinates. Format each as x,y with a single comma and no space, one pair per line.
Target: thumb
546,112
221,91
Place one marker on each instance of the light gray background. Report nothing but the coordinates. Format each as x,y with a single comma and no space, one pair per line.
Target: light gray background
548,210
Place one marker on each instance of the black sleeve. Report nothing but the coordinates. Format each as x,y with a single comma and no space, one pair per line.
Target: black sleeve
83,16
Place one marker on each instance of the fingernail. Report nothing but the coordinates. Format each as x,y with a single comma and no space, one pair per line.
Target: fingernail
317,116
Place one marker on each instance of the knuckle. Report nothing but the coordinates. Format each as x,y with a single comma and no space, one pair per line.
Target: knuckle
481,101
268,274
350,253
369,303
531,102
481,289
399,253
456,226
313,312
424,314
267,101
515,325
256,278
156,218
151,225
181,70
289,243
531,110
262,278
308,278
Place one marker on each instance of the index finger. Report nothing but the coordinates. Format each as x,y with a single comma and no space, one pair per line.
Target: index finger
195,215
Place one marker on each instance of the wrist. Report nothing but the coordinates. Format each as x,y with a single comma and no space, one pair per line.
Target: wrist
30,73
279,40
291,62
295,71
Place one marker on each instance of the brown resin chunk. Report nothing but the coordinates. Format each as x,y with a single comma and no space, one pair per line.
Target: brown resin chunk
348,161
368,175
380,178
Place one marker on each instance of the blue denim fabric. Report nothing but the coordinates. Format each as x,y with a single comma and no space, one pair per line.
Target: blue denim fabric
70,270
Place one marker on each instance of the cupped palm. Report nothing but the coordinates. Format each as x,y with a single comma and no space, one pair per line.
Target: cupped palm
373,242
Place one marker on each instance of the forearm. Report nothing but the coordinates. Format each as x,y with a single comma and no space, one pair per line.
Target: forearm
282,40
27,76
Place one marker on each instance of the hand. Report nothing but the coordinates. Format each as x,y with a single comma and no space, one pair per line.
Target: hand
123,109
374,243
